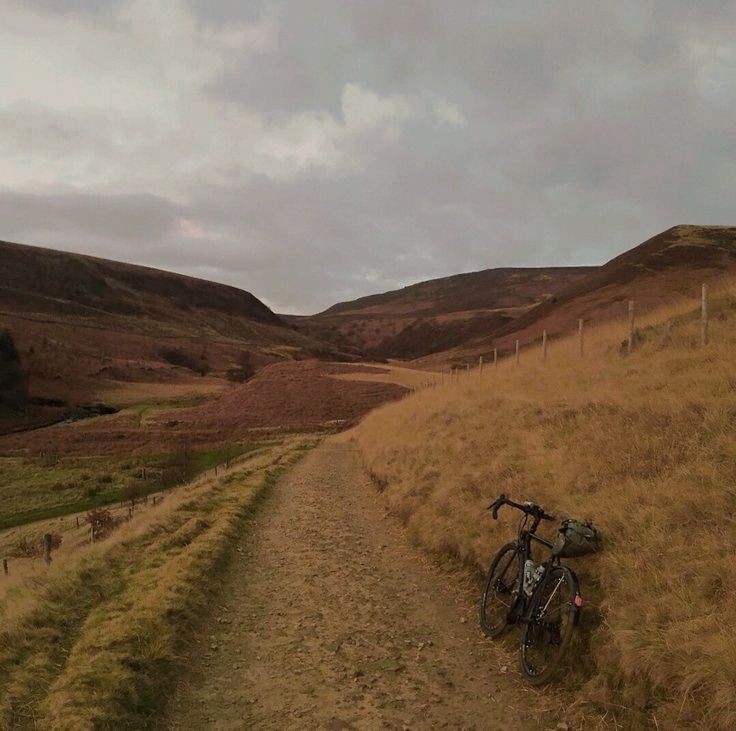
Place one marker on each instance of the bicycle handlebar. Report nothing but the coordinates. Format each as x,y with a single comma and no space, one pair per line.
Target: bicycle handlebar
529,508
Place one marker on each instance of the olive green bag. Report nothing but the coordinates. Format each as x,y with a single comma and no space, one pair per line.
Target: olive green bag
576,538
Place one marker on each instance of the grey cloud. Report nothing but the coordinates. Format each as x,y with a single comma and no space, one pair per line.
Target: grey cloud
587,128
60,217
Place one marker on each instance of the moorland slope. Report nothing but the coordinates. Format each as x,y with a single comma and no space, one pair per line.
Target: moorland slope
664,268
644,445
89,329
437,314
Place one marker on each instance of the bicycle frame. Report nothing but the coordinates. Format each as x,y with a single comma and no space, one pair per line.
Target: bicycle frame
521,610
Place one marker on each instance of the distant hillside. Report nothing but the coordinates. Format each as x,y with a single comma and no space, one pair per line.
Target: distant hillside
664,268
89,329
56,282
437,314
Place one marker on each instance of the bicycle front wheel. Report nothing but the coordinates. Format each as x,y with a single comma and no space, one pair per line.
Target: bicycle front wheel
501,590
552,620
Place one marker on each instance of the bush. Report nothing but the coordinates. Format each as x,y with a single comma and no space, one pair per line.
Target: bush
33,548
178,357
13,382
132,492
244,370
102,522
91,491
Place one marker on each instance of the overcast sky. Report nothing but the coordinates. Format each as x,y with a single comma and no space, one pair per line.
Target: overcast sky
312,151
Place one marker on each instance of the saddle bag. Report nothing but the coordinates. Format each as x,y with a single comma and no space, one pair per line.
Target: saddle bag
576,538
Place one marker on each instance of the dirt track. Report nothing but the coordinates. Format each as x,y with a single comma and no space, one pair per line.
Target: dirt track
328,618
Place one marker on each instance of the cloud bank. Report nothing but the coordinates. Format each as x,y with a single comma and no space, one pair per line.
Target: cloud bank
316,151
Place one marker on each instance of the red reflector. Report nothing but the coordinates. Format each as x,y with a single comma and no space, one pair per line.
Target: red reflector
579,601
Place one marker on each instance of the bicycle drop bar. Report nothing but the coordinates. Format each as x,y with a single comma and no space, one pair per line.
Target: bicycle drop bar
528,508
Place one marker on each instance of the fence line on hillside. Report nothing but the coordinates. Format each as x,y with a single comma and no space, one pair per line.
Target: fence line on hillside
629,342
47,542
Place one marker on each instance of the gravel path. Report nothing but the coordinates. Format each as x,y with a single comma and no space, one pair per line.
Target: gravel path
328,618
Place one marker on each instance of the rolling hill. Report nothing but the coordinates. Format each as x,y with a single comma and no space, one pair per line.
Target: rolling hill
437,314
89,329
663,269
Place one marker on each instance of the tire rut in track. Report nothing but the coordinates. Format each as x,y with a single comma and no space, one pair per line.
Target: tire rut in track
328,618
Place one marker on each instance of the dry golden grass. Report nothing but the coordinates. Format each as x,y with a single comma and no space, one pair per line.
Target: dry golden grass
643,444
92,641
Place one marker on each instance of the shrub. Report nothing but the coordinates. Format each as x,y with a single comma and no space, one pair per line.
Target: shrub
28,547
102,522
178,357
91,491
133,491
244,370
13,382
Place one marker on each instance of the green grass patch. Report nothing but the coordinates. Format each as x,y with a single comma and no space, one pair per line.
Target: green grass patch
34,489
104,646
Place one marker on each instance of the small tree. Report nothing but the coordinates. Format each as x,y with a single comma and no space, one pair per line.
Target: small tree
102,522
12,378
244,370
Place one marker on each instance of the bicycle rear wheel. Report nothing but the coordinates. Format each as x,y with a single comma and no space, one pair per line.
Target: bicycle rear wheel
501,590
546,636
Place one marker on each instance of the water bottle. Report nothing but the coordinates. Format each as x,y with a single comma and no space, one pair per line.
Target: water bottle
528,577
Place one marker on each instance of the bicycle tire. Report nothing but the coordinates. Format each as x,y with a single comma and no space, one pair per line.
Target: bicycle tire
510,569
552,621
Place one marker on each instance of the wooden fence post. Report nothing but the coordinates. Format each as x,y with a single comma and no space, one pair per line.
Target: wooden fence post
630,342
517,352
5,566
544,345
581,346
495,357
77,521
480,365
704,316
467,368
47,548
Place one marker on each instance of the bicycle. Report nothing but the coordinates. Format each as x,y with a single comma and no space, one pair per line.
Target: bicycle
545,598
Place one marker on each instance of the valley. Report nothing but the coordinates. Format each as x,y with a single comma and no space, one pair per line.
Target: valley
273,481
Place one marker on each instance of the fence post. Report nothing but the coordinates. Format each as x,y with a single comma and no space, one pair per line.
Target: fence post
480,365
467,368
544,345
704,316
581,346
495,357
77,521
517,352
630,342
47,548
5,566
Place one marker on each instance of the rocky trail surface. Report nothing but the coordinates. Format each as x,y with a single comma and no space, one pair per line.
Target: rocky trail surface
329,619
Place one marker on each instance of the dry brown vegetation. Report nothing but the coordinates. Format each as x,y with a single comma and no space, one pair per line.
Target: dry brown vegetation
437,314
658,271
290,396
88,328
93,640
643,444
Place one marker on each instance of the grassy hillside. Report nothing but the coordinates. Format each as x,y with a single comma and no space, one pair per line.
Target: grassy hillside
88,328
654,273
641,443
437,314
94,640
